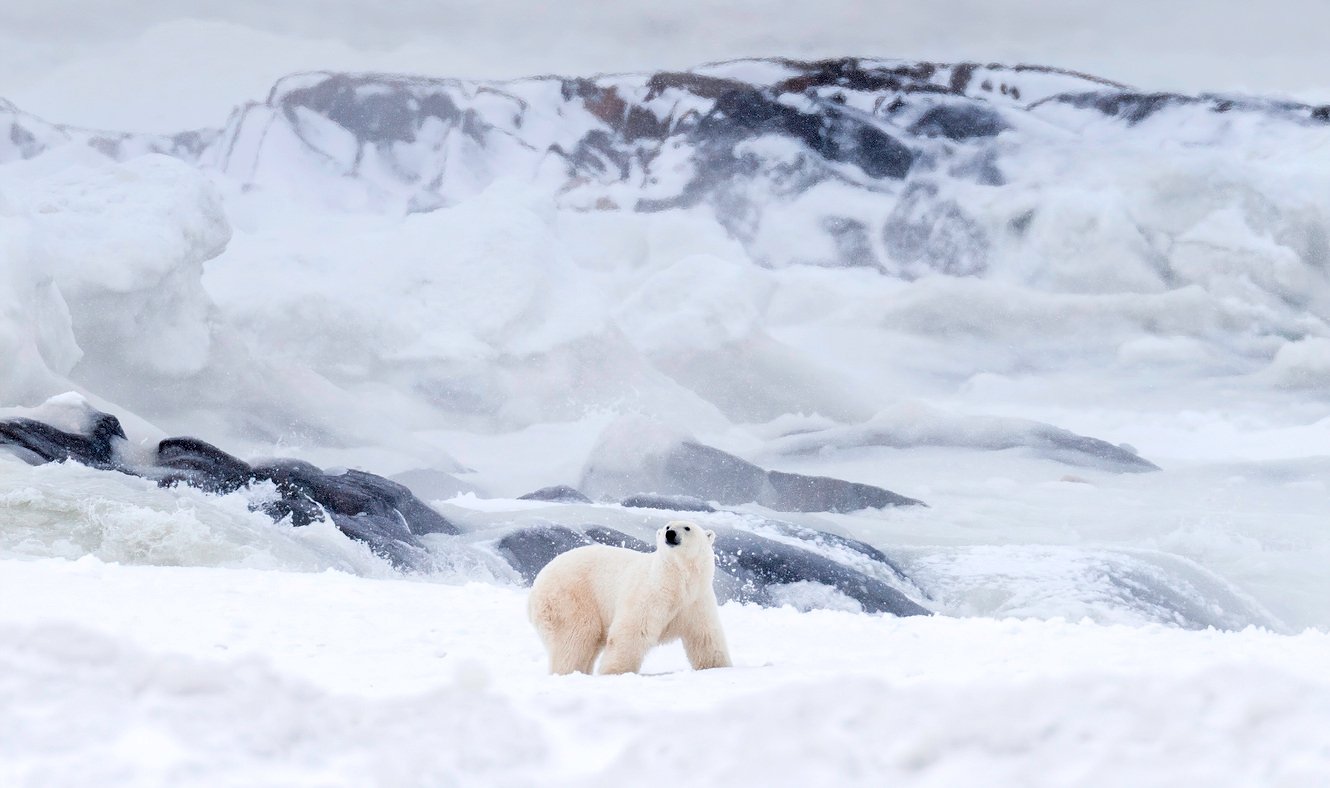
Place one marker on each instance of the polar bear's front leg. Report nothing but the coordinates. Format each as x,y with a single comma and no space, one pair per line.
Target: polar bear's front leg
630,638
703,638
639,620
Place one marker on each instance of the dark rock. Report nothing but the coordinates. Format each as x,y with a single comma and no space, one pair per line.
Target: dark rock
377,109
560,493
758,563
712,475
356,494
826,540
959,122
750,568
793,492
1067,446
41,443
674,503
834,134
608,536
375,510
1129,106
202,465
692,471
530,549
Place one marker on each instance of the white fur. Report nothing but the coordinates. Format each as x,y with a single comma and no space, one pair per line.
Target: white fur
625,603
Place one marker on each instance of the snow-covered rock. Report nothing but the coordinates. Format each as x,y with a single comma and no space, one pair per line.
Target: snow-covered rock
914,424
636,456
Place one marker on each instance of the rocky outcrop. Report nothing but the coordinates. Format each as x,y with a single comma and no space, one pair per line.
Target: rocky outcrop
377,511
38,442
869,159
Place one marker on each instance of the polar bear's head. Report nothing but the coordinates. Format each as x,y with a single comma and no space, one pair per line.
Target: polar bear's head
688,538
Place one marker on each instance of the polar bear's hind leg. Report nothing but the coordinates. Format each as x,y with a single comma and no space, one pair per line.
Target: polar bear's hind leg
573,635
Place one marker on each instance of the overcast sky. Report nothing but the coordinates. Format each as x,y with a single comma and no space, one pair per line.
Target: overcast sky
170,64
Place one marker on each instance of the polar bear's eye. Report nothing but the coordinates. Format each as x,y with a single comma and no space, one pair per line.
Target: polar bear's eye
686,528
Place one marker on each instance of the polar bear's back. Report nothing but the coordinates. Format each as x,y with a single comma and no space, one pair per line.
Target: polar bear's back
590,577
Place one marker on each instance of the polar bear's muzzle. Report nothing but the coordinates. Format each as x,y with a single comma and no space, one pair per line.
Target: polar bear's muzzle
671,537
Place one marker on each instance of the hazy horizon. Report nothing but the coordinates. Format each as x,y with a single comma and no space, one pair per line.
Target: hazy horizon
166,66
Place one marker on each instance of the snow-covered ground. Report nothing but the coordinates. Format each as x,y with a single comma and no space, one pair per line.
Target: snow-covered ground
1168,292
188,676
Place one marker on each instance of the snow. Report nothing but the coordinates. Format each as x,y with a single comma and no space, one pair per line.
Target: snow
216,684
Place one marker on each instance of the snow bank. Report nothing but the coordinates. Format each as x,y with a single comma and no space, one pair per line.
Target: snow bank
106,263
1131,731
145,719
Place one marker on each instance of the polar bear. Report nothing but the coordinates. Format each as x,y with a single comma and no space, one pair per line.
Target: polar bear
624,602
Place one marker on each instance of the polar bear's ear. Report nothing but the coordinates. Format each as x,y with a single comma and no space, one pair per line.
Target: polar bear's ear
711,537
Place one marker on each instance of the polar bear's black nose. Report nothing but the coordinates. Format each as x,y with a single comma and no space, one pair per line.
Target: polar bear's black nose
671,536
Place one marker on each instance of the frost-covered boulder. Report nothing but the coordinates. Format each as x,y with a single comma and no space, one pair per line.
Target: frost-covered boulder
638,456
63,428
671,503
1111,586
559,493
914,425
